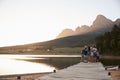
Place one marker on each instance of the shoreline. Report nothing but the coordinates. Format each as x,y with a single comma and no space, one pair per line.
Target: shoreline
109,57
115,74
28,76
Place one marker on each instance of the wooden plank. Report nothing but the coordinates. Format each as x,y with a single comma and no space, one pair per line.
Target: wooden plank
80,71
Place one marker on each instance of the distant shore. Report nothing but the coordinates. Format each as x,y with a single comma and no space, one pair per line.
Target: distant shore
102,56
110,57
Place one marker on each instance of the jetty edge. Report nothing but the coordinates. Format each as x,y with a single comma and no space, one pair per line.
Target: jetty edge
26,76
80,71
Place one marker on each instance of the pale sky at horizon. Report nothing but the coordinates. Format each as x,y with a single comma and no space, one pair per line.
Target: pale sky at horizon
30,21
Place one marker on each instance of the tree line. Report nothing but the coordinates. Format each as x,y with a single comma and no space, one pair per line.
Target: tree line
109,42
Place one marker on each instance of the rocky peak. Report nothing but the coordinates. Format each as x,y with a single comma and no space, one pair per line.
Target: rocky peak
100,17
101,22
65,32
117,22
100,25
81,30
84,27
78,29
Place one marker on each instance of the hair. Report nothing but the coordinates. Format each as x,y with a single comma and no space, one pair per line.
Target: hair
94,45
88,48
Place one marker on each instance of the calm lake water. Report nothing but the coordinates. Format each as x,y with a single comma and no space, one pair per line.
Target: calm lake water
110,62
22,64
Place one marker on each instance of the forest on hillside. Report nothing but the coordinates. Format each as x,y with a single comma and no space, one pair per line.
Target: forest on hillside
109,42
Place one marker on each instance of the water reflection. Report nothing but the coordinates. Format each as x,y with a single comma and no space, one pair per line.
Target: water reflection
10,66
21,64
57,62
110,62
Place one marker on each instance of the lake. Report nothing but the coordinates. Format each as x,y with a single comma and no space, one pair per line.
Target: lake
23,64
110,62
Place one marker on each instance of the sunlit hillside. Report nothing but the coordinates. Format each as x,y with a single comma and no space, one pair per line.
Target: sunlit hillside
69,40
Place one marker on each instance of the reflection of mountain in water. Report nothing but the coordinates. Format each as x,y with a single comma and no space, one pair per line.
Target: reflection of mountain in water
58,63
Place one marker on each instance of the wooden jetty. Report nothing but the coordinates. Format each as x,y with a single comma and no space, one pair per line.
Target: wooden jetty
80,71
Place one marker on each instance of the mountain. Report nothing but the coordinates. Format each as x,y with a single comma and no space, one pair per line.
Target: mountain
100,25
81,30
65,32
84,35
117,22
71,41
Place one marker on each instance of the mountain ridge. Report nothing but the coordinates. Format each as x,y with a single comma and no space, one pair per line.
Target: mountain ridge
78,39
100,25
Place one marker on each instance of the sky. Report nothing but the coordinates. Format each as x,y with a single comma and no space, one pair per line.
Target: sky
30,21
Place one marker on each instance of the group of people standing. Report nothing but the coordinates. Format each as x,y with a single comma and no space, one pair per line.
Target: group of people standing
90,54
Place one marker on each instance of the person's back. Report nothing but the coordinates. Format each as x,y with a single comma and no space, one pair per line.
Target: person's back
88,53
85,51
84,55
94,49
97,56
